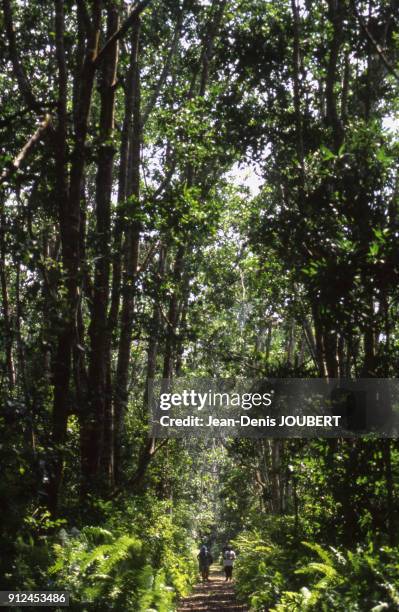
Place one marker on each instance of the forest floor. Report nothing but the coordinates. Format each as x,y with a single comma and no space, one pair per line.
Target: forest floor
215,596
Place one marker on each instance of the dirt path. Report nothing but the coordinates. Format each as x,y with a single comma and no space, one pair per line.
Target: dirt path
214,596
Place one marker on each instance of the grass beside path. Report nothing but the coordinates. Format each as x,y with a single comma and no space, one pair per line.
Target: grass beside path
215,595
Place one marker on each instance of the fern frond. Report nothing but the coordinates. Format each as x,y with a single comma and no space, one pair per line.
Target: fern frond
328,570
320,551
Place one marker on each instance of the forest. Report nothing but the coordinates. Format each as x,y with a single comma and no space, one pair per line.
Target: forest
205,189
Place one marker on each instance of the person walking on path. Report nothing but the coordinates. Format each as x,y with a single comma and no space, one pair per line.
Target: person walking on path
229,557
205,560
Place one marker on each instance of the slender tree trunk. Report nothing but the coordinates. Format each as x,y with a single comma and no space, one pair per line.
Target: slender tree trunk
319,342
130,258
8,335
330,348
335,16
62,364
297,94
113,315
275,475
97,422
173,317
155,328
341,357
30,428
387,458
291,343
369,352
70,227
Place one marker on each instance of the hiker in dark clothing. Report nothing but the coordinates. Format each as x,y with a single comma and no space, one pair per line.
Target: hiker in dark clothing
205,560
228,562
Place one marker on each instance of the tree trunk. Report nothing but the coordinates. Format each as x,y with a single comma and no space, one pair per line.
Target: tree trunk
70,229
96,422
130,258
335,16
8,335
386,453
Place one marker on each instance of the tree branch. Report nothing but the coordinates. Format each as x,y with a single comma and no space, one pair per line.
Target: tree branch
172,51
148,257
137,9
147,454
84,15
23,82
26,150
374,43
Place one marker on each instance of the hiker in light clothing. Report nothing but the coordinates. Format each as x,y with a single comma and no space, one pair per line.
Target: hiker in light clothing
229,557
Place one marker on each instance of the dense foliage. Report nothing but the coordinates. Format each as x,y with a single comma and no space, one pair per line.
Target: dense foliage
138,559
198,188
282,577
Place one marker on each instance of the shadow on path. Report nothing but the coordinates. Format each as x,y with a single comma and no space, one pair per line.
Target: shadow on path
216,595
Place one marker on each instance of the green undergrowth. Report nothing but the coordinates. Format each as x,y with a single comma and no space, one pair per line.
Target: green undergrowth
305,576
138,560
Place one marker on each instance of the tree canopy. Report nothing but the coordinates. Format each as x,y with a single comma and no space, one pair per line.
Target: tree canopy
199,188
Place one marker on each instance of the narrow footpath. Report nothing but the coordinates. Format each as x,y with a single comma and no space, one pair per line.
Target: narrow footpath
215,596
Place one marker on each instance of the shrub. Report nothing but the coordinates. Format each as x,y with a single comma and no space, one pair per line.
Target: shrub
104,570
365,579
287,578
